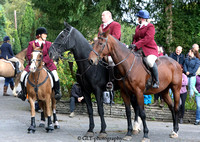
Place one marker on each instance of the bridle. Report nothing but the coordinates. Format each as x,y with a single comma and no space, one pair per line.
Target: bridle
39,60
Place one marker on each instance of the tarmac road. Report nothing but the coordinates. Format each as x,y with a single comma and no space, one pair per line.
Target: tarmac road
15,120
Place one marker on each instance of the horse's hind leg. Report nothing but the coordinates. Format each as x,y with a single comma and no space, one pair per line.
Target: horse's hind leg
17,80
42,122
173,109
32,129
103,133
55,120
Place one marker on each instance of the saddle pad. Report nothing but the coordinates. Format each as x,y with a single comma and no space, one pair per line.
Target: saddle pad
6,61
52,84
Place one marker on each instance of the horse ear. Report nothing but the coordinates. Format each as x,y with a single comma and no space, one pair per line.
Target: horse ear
100,30
66,24
107,32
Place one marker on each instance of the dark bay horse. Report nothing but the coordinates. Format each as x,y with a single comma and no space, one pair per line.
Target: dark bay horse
92,79
7,68
39,87
135,78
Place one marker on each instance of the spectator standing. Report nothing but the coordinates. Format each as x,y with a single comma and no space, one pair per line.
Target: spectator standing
195,47
190,67
76,96
178,56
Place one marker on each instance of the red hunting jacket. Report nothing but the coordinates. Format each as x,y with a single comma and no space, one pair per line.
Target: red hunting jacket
144,38
46,59
115,29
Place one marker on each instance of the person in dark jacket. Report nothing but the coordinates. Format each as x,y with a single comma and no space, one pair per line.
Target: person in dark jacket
178,56
76,96
7,53
190,67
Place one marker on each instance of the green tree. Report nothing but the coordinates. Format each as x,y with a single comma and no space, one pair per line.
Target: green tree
26,26
16,43
3,23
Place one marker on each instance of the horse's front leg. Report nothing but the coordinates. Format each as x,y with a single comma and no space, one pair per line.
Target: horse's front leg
99,99
137,120
88,101
126,99
17,80
48,109
140,100
32,129
55,120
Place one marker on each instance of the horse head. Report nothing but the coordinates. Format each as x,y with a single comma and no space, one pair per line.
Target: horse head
62,43
36,58
100,47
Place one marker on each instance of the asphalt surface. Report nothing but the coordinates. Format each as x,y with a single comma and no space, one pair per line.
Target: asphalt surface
15,120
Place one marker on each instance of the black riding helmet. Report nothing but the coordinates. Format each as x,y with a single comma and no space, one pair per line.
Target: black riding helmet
41,30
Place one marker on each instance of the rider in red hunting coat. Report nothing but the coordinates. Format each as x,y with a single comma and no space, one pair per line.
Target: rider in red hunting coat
144,38
41,35
108,23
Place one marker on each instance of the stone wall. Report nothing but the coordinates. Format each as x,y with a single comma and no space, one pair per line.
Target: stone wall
118,111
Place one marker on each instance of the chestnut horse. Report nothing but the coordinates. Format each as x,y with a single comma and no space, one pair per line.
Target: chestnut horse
39,87
7,69
135,77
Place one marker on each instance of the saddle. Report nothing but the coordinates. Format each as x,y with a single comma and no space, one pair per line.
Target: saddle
151,80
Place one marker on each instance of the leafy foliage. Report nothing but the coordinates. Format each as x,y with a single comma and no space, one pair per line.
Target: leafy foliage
16,43
66,78
3,23
26,26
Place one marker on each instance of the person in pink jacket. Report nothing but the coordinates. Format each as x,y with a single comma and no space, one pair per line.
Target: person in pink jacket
144,38
41,35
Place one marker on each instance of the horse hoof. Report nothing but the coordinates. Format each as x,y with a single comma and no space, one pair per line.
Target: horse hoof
102,135
145,140
136,132
173,135
89,134
56,126
127,138
42,125
31,131
49,129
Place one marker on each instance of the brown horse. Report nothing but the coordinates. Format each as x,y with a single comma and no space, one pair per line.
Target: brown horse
7,68
39,88
135,76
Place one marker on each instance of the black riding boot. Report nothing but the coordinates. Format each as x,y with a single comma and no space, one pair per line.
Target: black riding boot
22,93
58,94
154,71
17,68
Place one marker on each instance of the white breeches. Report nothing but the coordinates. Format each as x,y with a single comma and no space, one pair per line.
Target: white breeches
151,60
54,72
110,61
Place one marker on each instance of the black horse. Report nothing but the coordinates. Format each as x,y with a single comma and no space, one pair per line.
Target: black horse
93,79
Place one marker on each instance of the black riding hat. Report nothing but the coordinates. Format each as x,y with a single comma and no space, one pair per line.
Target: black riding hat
41,30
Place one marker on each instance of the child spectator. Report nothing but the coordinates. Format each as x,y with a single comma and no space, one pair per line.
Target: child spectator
183,96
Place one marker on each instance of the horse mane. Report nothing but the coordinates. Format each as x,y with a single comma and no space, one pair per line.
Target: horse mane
20,53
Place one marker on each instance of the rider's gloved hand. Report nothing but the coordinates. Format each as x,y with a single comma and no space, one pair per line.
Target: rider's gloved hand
132,46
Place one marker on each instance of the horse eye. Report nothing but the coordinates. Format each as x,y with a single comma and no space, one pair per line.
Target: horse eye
100,43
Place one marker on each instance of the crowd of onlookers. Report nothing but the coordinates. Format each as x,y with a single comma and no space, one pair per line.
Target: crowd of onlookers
190,64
